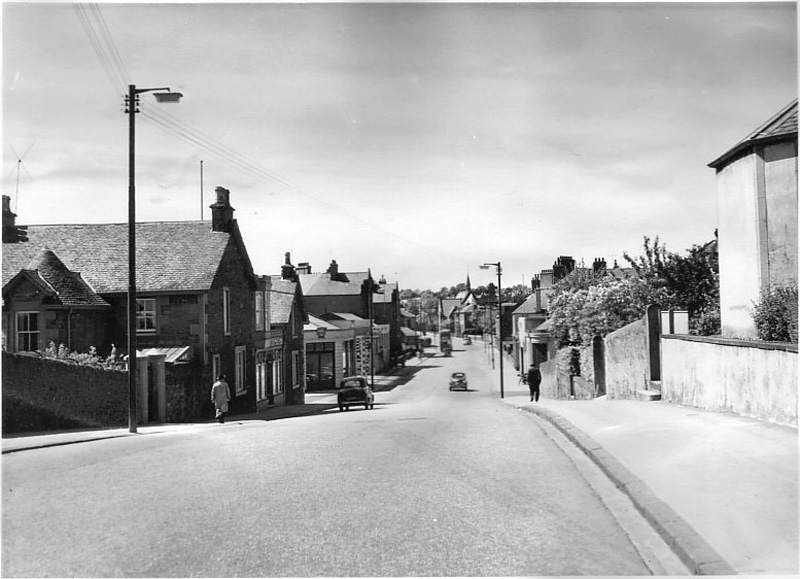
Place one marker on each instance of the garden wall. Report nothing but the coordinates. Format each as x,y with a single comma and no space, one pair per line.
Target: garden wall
82,395
755,379
627,361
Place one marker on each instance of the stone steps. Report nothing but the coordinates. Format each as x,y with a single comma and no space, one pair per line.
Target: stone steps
650,394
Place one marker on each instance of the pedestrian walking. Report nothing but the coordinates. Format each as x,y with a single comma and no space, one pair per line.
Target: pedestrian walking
220,396
534,379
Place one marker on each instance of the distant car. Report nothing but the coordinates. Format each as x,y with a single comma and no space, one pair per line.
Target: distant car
458,380
467,340
355,390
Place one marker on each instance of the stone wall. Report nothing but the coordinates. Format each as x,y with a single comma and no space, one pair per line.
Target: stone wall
91,396
750,378
627,361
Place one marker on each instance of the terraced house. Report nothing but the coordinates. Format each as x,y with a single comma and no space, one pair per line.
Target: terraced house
197,299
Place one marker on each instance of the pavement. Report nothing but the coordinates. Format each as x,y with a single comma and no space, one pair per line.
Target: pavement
720,489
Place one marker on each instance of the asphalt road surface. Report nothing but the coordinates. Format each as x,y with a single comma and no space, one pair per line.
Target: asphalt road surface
428,483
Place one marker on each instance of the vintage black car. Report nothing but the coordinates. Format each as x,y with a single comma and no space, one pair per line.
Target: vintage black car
355,390
458,381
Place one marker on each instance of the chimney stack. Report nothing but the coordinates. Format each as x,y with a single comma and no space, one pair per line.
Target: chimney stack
333,269
287,269
222,212
11,233
304,268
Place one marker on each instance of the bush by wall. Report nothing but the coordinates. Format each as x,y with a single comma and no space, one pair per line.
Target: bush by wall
775,314
90,396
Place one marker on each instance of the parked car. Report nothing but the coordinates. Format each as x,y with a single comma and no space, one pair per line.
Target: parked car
355,390
458,380
467,340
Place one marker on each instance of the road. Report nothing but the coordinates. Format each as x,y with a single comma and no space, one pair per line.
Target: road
428,483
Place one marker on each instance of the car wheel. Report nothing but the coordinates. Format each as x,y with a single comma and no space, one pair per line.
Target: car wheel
341,407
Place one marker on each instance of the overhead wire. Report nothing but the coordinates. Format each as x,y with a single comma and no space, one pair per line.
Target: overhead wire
112,63
115,76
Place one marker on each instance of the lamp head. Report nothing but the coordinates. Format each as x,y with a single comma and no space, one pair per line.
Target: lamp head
167,97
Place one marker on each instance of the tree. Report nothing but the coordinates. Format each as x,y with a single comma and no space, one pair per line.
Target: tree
691,281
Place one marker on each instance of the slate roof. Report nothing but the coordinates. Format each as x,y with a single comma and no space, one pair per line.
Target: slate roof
781,126
170,256
528,306
281,297
448,305
320,284
64,286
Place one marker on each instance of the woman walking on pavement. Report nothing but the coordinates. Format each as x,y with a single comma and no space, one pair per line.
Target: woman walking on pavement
220,396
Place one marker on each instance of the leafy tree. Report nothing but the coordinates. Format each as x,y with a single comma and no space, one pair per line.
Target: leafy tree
775,314
691,281
577,315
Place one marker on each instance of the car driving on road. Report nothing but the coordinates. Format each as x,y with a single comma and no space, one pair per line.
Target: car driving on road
458,381
355,390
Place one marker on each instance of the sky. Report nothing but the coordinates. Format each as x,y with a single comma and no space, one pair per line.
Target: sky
417,140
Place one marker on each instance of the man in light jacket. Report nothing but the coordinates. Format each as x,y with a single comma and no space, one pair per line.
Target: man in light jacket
220,396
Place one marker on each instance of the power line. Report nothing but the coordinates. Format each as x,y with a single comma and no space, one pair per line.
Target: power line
113,65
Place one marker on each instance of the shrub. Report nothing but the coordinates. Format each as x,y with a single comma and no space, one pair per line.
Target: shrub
90,358
568,361
775,314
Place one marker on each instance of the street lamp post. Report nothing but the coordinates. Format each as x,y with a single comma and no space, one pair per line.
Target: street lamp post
499,269
132,100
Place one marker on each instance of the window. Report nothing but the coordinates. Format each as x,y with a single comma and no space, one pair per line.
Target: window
27,331
146,315
259,310
216,369
262,369
277,376
295,369
239,360
226,310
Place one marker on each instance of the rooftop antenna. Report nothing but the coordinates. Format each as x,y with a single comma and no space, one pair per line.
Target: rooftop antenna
201,189
19,165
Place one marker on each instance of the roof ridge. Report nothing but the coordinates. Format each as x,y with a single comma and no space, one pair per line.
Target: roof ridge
762,127
125,223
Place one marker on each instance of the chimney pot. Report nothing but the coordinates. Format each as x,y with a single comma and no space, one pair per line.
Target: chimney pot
222,212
